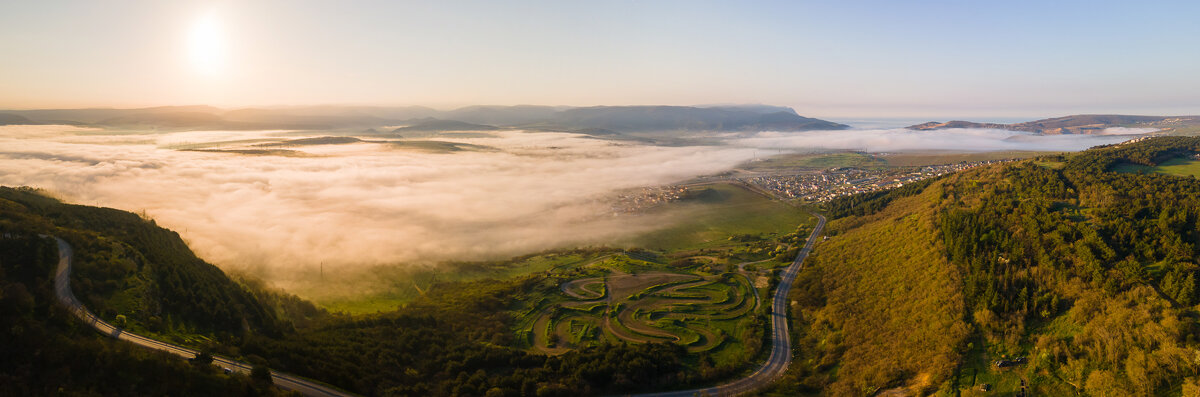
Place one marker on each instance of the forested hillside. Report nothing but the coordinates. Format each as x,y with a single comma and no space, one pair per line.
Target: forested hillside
129,267
1081,279
48,352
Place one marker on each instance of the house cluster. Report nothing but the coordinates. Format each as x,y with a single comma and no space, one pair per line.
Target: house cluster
1136,140
833,183
640,199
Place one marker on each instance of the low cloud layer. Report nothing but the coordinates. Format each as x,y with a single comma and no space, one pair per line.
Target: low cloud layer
359,204
366,204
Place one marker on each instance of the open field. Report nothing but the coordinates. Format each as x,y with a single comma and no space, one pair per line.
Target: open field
918,159
818,161
383,288
715,212
1178,167
875,161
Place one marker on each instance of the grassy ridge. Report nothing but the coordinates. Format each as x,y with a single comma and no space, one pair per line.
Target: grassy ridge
878,303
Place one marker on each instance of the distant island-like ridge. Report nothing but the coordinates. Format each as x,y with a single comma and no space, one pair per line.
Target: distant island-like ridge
1074,124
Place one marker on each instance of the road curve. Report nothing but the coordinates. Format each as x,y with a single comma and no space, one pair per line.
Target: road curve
781,340
62,288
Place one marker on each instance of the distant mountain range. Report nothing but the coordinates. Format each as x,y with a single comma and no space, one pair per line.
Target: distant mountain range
1075,124
597,120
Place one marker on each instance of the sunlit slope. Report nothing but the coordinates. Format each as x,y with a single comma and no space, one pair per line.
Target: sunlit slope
1067,280
879,302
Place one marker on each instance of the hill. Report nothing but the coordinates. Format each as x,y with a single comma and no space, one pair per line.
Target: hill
322,140
46,350
435,125
686,118
128,266
13,119
598,120
1075,124
1057,273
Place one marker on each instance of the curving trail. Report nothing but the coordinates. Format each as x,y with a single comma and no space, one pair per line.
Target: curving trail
62,288
781,342
684,301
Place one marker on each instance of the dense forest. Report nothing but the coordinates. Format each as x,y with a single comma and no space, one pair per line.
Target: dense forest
47,351
126,265
1086,273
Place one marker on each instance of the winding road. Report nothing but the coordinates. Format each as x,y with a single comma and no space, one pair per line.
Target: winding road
781,340
62,288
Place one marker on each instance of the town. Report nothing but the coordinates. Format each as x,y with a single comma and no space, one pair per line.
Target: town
635,200
821,186
810,186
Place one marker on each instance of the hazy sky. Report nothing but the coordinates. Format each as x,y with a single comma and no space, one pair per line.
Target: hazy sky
826,58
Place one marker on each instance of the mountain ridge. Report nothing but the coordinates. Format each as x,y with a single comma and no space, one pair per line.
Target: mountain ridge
1073,124
603,119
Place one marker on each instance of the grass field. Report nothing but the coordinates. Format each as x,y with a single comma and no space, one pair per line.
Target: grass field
383,288
818,161
917,159
821,161
1177,166
712,213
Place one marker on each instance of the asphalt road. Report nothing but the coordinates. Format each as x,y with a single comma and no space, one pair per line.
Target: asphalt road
781,340
62,288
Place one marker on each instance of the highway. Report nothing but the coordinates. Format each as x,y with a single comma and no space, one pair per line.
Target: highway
62,288
781,340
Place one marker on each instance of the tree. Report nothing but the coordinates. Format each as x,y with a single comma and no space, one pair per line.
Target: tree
203,358
261,373
1103,383
1187,290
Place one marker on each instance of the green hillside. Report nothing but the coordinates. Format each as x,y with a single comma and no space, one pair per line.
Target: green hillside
47,352
128,266
1082,278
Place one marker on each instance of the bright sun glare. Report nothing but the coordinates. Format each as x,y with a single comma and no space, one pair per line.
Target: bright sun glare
206,45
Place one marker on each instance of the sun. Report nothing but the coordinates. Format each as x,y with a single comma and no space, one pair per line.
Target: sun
206,45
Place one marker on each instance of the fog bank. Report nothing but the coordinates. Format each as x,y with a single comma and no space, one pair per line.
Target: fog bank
362,204
359,204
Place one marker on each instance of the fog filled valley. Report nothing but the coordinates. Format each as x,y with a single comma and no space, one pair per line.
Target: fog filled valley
505,261
566,199
286,205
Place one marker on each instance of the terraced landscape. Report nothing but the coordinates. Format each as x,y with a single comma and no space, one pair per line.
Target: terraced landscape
703,313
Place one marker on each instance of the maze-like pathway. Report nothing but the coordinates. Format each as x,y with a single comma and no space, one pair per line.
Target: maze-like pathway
652,307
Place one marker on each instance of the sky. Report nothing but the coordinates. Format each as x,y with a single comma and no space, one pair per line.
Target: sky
832,59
